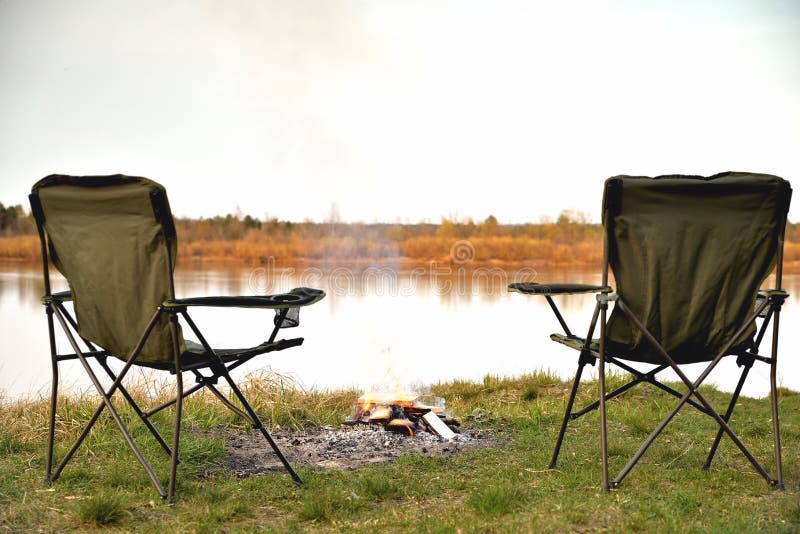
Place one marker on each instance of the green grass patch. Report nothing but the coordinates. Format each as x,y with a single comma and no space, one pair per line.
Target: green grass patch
497,499
101,510
504,488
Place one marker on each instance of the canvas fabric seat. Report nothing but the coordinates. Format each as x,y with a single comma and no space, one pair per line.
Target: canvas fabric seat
113,238
689,255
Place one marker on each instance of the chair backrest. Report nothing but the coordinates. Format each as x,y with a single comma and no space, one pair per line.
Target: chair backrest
689,254
113,238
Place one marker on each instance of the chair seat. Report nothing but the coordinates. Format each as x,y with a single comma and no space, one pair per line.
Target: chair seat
195,356
615,350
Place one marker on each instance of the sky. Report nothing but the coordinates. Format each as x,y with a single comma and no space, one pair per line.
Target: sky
398,110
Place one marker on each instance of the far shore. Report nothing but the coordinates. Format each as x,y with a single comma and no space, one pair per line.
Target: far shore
569,243
583,256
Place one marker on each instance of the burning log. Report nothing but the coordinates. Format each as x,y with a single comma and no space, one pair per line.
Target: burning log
380,414
401,426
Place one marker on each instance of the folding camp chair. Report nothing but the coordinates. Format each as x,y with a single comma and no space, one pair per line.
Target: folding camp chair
114,240
689,255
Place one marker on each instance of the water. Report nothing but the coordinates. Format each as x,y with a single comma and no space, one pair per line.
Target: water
379,329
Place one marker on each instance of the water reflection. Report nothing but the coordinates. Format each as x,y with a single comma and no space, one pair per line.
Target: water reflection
377,327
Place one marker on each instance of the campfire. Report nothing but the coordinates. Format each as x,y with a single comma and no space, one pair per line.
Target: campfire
405,414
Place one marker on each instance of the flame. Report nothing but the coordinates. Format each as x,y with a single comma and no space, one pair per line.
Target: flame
368,400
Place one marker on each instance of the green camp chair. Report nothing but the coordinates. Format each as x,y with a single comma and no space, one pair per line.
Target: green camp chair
113,238
689,255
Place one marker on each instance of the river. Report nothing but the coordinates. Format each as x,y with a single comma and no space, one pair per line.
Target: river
379,328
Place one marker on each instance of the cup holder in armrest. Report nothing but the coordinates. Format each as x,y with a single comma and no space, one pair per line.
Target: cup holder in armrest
287,317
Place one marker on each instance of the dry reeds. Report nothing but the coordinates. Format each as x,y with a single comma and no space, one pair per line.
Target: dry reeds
570,241
20,247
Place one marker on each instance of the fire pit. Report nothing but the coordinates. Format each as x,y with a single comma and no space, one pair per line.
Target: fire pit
377,432
405,414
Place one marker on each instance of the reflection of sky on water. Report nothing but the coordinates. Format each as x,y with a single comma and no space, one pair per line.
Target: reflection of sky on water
377,328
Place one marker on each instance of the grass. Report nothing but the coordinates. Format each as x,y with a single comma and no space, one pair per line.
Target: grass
101,510
499,499
506,488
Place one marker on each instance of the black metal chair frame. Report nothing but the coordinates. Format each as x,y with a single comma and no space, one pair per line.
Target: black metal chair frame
215,365
768,307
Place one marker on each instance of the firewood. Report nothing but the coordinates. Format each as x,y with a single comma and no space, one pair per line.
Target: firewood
401,426
437,425
450,421
380,414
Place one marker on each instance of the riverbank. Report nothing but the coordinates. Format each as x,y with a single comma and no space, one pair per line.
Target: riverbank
505,487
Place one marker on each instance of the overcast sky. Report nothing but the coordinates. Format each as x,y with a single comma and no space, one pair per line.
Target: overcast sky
396,110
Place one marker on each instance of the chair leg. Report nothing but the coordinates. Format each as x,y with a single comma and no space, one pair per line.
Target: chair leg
776,430
176,436
601,371
67,457
692,390
728,413
51,430
123,391
260,426
106,402
231,406
220,370
576,382
174,461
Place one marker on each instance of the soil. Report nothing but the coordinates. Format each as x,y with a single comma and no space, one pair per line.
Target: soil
344,448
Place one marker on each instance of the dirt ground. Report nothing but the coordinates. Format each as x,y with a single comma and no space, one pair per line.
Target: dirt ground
344,447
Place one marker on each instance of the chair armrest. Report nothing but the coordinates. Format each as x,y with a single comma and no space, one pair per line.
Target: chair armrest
766,293
533,288
299,296
60,296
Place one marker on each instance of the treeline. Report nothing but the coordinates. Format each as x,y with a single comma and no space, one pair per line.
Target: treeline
570,239
569,226
15,220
